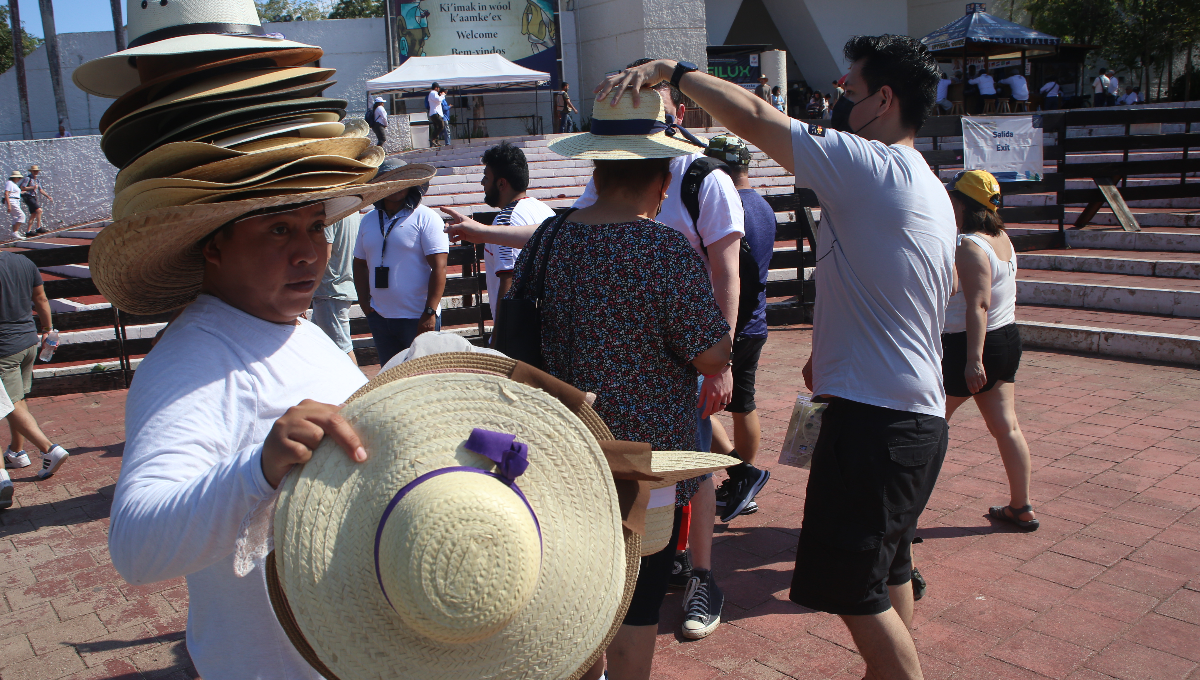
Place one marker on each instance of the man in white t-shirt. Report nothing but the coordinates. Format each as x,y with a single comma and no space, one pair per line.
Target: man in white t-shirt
1020,88
1050,92
433,107
1114,88
943,92
986,85
400,267
1100,89
505,179
885,272
12,203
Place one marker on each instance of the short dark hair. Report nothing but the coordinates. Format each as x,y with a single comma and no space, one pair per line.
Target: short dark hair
905,65
672,92
434,86
630,176
508,162
976,217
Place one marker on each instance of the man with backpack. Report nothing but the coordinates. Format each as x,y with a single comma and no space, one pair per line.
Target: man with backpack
377,119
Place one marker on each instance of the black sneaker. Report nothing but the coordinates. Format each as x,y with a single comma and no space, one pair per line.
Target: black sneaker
702,601
918,584
723,492
681,570
743,492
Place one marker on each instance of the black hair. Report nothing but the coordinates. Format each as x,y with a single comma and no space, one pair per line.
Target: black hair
673,92
630,176
905,65
508,162
976,217
775,90
434,86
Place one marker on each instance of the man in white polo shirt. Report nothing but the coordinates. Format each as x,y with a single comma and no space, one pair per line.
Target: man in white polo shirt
400,267
433,107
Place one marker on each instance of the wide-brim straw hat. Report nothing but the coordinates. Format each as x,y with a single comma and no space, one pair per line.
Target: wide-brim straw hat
235,85
399,567
16,174
157,29
34,168
150,262
626,132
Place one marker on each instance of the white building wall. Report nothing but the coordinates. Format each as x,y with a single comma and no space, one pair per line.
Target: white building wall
74,171
718,18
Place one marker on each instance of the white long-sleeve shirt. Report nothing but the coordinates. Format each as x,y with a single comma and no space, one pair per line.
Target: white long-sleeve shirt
985,84
196,417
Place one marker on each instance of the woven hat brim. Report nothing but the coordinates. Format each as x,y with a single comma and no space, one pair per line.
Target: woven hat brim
316,126
622,147
197,160
327,514
222,85
112,76
677,466
150,262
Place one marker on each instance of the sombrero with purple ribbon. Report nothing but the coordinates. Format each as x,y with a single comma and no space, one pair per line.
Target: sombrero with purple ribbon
628,132
454,551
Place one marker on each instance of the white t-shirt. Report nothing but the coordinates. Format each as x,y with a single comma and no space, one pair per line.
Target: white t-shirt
720,206
416,235
943,88
885,266
12,193
196,417
985,84
1100,84
1050,89
1020,88
433,103
498,258
1003,309
380,113
1114,85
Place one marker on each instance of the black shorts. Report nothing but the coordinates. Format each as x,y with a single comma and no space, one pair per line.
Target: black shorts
745,365
873,469
652,581
31,201
1001,357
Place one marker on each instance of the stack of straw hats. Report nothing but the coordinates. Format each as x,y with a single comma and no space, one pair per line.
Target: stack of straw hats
212,111
436,559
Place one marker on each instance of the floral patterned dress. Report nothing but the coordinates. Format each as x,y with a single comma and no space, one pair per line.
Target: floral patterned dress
627,308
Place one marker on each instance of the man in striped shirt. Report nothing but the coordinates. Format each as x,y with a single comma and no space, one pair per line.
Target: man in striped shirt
505,179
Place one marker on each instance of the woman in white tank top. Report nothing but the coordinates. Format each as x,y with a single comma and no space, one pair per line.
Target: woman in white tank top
980,342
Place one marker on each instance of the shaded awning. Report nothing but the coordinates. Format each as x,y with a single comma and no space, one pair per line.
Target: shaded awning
982,33
458,73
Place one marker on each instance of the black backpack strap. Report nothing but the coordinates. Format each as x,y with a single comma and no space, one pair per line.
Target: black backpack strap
689,191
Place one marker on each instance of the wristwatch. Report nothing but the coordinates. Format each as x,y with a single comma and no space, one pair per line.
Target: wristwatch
682,68
429,311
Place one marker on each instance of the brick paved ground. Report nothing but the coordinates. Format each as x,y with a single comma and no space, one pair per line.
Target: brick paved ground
1109,587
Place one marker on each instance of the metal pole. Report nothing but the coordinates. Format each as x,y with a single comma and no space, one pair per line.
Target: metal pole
60,97
118,24
14,15
387,39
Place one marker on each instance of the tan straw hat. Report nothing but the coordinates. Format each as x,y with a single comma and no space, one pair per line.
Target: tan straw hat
454,553
34,168
150,262
16,174
219,27
626,132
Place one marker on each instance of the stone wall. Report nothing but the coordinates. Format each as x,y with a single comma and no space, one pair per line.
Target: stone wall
73,170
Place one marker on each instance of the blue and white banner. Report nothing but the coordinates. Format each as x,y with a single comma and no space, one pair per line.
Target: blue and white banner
1009,147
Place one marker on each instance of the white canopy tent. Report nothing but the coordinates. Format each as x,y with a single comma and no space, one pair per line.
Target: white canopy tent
459,72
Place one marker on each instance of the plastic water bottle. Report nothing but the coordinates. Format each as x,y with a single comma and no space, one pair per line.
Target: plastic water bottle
50,345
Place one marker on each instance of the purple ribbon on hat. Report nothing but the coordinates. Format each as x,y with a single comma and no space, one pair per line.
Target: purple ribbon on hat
511,458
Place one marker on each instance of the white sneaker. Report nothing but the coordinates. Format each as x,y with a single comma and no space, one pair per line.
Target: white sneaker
18,236
6,490
16,459
52,460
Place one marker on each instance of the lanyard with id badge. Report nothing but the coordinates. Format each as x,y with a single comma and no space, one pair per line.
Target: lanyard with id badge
381,272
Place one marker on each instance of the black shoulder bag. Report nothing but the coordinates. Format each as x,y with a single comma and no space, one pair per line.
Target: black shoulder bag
518,326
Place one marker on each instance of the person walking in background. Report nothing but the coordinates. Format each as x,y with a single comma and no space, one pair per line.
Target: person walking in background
1020,88
21,294
836,93
1114,88
981,343
12,200
505,179
30,188
433,107
400,267
1100,89
736,494
1050,92
567,111
777,99
335,295
762,90
445,118
378,119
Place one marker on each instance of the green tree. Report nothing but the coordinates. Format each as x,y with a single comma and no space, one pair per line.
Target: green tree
297,10
357,9
28,42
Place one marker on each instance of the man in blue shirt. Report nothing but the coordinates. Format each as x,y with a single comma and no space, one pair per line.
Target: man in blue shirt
736,494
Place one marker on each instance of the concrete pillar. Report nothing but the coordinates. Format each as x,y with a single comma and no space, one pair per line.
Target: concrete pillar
613,33
773,65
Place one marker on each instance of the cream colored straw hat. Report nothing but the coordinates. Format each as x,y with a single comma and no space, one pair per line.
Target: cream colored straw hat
177,27
454,551
626,132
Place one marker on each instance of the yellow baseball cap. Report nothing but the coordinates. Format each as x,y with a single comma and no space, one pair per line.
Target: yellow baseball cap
979,185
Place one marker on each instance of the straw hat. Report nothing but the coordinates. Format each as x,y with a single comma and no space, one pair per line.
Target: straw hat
34,168
16,174
157,29
426,561
150,262
626,132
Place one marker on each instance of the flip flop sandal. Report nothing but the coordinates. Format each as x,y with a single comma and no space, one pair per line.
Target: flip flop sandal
1007,513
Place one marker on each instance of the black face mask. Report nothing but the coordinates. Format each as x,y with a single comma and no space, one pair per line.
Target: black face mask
839,116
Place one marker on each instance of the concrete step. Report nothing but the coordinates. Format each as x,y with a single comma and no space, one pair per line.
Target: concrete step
1108,333
1113,292
1182,240
1146,217
1125,262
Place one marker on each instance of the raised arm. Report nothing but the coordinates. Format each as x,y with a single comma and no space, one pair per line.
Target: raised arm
746,115
459,227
